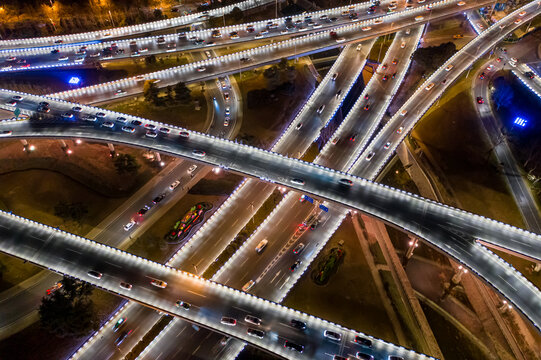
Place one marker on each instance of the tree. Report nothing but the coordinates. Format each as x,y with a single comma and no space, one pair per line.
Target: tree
73,211
150,92
272,76
69,311
291,74
433,57
182,93
150,60
170,95
282,64
126,163
3,269
236,14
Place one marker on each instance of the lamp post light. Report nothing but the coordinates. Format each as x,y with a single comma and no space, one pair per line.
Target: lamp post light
413,244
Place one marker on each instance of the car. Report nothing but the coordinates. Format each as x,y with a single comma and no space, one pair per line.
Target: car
250,28
332,335
184,134
461,3
513,59
228,321
245,59
94,274
43,107
5,133
150,126
121,119
364,356
384,67
480,100
122,337
444,81
174,185
125,286
363,341
403,112
252,320
482,76
256,333
119,324
387,145
201,69
17,98
378,21
225,340
293,346
499,59
366,28
199,153
151,134
248,285
522,13
339,357
367,107
183,304
385,77
458,36
403,44
395,357
395,61
158,198
119,92
298,126
233,35
449,67
262,244
297,324
108,124
334,76
530,75
335,140
340,40
366,96
295,265
159,283
370,156
298,249
63,58
192,168
227,111
12,103
100,115
142,211
346,182
77,109
359,47
399,130
518,21
128,129
297,181
55,51
90,118
429,86
338,94
393,76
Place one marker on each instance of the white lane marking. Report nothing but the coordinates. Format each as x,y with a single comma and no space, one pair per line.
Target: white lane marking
193,292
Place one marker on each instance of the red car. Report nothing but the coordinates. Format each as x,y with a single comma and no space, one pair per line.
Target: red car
480,100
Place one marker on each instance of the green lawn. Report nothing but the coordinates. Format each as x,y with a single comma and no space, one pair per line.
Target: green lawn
351,287
452,135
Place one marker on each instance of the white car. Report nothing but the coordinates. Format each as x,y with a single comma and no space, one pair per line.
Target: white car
403,45
403,112
449,67
129,225
192,169
370,156
174,185
429,87
419,18
262,244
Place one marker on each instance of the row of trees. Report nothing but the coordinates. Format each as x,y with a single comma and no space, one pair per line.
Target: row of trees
179,94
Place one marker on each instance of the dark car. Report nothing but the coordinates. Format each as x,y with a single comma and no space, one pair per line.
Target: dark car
158,198
480,100
136,122
482,76
293,346
142,211
297,324
363,341
122,337
295,265
364,356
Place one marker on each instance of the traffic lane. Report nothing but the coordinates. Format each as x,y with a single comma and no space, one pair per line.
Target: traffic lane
419,107
118,49
277,231
258,56
217,154
132,271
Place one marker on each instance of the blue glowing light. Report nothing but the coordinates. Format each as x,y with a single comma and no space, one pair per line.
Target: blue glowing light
520,122
74,80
